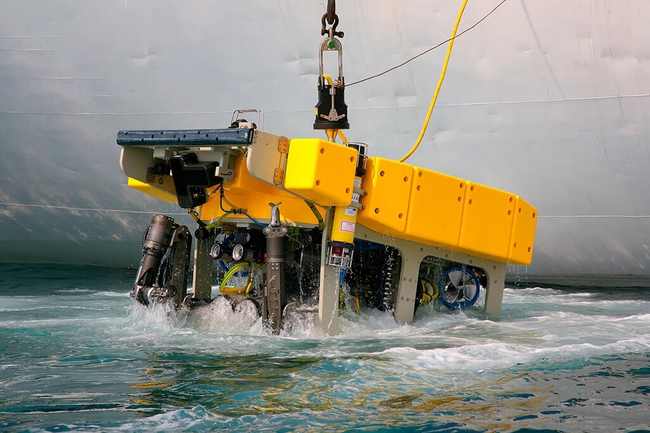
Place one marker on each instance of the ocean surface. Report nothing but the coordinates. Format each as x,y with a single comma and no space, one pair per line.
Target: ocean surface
76,354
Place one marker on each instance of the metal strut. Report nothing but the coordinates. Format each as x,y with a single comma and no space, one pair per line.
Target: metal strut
274,298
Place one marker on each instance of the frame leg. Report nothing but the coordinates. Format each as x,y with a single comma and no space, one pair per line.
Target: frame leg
328,303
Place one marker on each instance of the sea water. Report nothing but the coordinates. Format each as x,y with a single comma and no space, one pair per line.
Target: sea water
76,354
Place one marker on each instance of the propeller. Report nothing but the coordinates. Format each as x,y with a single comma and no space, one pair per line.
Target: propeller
459,287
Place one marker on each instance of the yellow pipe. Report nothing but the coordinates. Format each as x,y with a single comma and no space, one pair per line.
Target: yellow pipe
343,137
331,134
232,271
440,80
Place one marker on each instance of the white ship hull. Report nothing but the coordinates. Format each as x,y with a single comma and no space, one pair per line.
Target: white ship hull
547,99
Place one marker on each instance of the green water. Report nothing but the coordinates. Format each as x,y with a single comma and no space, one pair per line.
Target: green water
77,355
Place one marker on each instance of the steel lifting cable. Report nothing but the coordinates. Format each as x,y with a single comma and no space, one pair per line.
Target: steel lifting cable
331,11
428,50
331,17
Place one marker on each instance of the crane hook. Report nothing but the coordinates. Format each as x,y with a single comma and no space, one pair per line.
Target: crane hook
332,19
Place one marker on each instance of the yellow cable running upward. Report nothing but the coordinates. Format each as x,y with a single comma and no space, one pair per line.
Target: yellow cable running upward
442,78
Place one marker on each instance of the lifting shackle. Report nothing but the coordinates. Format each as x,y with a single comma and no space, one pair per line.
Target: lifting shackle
331,109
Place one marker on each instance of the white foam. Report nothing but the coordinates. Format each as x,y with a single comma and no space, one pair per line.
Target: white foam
194,419
219,318
526,332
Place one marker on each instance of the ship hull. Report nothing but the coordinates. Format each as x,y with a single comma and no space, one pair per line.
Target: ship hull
545,99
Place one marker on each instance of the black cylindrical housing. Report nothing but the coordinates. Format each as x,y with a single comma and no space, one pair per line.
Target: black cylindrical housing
154,245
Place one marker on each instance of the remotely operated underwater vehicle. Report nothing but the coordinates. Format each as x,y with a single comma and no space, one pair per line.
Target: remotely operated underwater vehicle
300,219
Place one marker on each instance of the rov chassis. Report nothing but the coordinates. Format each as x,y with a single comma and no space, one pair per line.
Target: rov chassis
301,219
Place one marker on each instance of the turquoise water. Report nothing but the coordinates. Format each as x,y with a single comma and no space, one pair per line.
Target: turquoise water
77,355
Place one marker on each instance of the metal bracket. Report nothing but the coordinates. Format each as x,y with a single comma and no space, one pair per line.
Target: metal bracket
283,145
278,176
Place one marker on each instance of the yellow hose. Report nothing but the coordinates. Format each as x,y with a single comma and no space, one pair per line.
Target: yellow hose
440,80
232,271
344,139
317,214
232,290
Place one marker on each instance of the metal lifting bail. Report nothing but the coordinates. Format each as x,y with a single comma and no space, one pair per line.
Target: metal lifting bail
331,110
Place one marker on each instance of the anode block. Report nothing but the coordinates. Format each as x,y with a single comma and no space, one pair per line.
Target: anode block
523,233
487,220
321,171
388,187
436,208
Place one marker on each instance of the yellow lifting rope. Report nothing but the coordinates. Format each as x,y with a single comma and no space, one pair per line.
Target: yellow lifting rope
440,80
